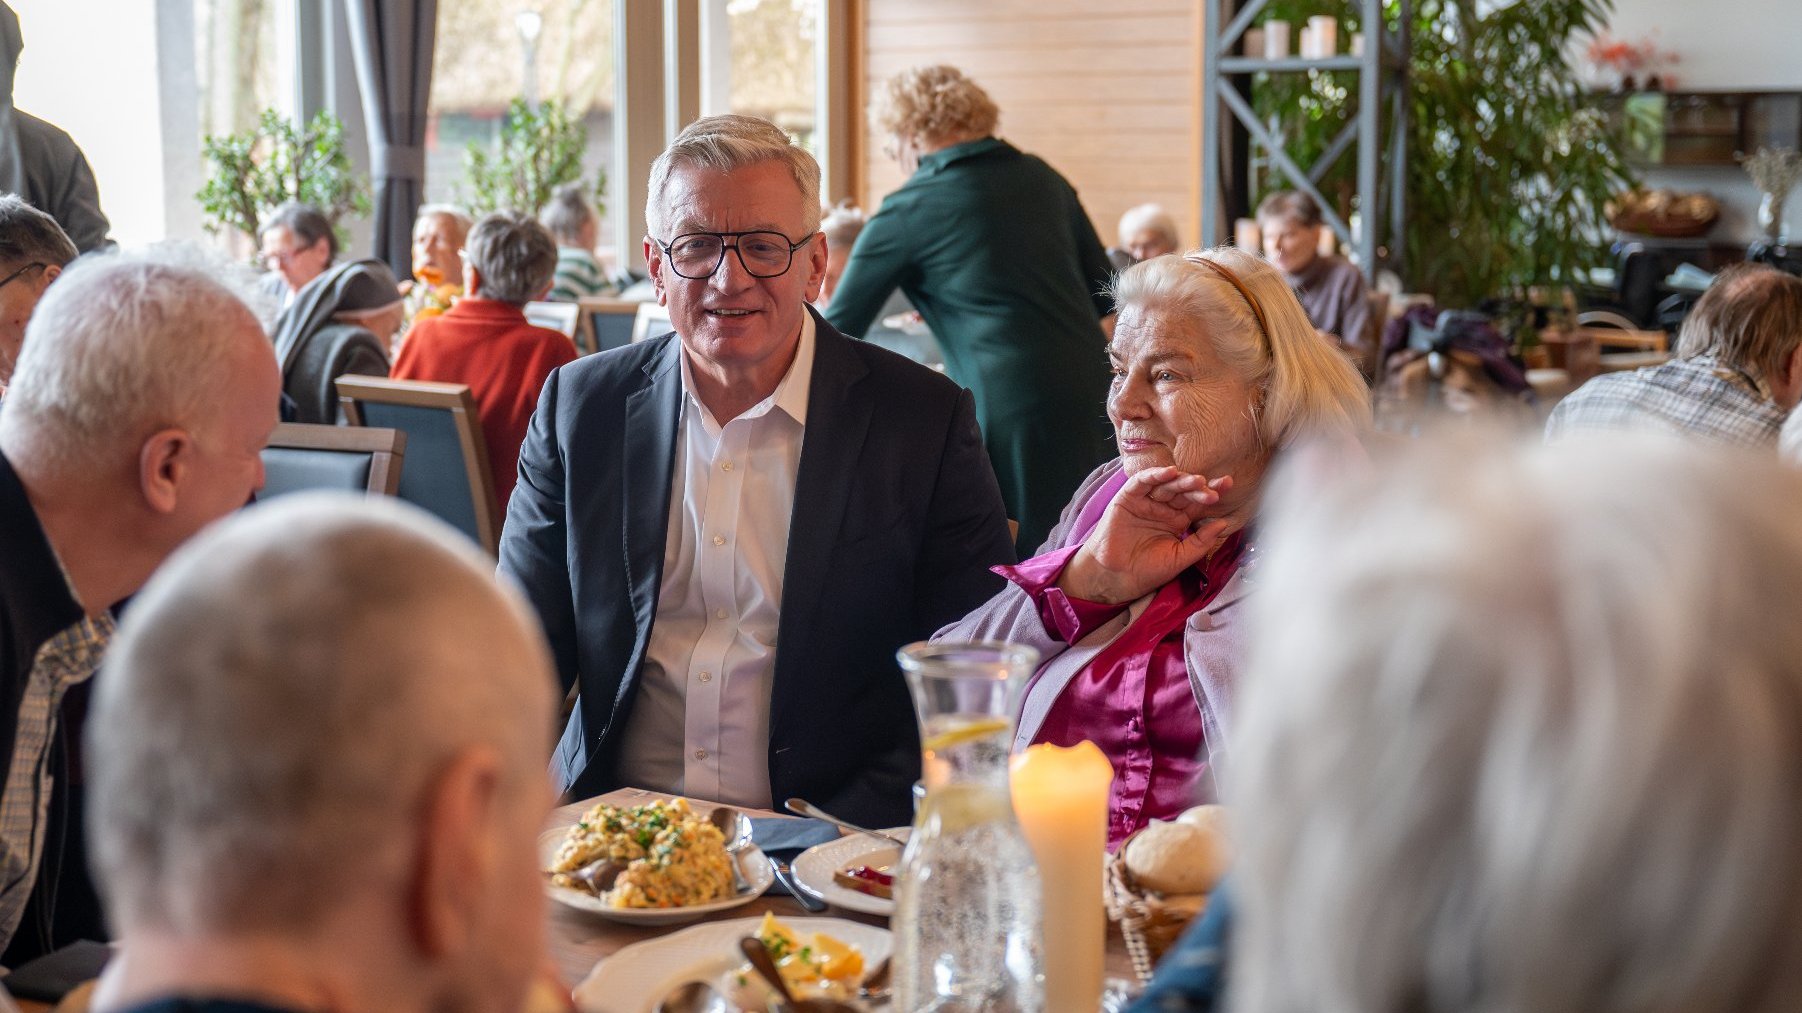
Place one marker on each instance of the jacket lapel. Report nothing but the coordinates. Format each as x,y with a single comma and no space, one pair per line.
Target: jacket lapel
649,439
837,421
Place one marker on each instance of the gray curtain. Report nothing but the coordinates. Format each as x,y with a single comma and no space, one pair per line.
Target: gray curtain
392,42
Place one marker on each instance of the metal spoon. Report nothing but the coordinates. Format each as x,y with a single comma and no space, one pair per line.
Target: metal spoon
875,987
754,951
802,807
598,876
694,997
736,828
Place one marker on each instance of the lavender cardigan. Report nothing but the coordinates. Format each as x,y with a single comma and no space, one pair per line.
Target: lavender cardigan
1213,644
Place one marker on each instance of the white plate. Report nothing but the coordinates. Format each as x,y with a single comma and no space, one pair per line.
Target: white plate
815,866
635,978
751,862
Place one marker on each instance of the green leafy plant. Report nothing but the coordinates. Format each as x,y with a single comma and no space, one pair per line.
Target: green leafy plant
257,170
1509,167
538,150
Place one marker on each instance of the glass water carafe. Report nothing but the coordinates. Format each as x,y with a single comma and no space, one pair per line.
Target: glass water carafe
966,923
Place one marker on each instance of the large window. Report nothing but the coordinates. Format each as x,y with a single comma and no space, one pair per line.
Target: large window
760,58
490,52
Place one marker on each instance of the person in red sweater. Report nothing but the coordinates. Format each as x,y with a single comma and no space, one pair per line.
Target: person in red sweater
484,340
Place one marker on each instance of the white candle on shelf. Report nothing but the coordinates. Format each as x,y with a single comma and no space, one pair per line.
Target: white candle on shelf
1276,40
1060,798
1247,237
1325,29
1254,42
1357,44
1306,46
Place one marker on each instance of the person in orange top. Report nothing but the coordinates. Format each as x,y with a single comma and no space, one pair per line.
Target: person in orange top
484,340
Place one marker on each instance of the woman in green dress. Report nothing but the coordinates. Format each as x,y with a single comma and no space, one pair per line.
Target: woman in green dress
994,249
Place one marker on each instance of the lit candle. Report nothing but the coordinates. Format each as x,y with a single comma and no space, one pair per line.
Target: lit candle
1307,42
1060,798
1254,42
1246,235
1357,44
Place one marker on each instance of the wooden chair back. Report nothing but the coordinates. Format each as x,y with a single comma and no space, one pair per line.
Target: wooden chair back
301,456
448,473
605,323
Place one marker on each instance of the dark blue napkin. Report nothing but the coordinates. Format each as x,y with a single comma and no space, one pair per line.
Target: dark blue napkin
785,837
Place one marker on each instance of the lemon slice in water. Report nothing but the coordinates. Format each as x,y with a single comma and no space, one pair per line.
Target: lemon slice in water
964,732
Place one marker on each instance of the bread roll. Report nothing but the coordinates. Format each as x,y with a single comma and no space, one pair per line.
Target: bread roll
1177,857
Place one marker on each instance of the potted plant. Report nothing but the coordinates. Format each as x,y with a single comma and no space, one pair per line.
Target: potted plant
1508,170
537,151
255,171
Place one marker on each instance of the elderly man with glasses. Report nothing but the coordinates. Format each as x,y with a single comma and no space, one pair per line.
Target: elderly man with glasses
728,531
33,251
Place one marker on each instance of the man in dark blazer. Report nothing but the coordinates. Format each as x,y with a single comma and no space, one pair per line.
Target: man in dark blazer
729,531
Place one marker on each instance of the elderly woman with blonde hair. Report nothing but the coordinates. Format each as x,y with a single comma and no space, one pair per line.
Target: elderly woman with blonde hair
995,251
1134,602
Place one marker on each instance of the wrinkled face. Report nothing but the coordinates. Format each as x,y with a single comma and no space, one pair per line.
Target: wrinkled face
1174,402
228,446
1149,243
438,250
732,320
286,254
21,286
1289,245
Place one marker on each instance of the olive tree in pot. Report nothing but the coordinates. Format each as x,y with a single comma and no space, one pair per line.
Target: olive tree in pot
538,150
257,170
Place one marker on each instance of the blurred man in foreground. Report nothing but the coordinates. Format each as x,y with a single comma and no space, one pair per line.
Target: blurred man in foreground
323,792
137,416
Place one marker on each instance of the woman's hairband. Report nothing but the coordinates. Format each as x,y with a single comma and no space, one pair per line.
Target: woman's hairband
1233,280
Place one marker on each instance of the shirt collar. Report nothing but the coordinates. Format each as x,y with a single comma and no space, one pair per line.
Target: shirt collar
790,396
945,156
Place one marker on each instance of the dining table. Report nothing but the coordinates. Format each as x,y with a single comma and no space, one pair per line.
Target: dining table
579,940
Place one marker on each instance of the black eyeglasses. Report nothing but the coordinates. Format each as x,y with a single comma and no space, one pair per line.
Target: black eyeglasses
9,279
697,255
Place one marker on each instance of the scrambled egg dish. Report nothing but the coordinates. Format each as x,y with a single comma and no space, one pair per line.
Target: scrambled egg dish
671,857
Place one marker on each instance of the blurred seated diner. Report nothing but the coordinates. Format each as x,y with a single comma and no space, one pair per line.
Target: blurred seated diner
1331,288
576,227
33,252
298,244
1145,231
342,323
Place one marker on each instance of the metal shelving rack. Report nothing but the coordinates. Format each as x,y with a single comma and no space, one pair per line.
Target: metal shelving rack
1382,80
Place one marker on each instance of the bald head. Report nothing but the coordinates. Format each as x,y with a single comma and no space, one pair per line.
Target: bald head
262,751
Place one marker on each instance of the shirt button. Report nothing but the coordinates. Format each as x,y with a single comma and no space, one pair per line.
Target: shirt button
700,754
719,539
719,613
726,467
706,676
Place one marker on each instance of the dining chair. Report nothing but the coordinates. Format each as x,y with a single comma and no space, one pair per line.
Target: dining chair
301,456
447,473
605,323
651,321
562,317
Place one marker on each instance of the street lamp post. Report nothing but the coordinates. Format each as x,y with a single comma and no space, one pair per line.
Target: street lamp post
530,23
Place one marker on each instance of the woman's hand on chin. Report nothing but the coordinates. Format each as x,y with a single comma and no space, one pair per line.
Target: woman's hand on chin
1154,529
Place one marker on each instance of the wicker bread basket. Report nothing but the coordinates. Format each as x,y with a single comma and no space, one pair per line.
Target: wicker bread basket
1149,921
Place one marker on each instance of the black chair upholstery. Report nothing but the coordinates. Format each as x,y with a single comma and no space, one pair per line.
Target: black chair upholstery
447,473
303,457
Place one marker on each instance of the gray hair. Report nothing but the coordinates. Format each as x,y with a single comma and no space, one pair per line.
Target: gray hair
726,143
1148,216
257,747
843,224
513,255
29,236
451,211
124,344
1310,389
306,222
1479,766
567,212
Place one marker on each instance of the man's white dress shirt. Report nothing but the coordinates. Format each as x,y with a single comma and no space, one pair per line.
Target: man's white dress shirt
701,723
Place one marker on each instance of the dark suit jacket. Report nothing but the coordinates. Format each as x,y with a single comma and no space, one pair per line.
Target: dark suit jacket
897,519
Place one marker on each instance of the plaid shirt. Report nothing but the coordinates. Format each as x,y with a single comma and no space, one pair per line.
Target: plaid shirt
1700,397
64,660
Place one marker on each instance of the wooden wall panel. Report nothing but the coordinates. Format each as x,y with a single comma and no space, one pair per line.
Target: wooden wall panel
1109,94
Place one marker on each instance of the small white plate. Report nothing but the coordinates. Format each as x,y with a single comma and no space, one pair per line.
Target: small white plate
815,866
635,978
751,862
